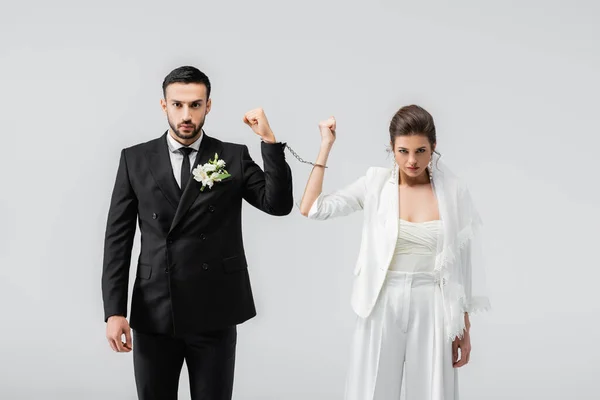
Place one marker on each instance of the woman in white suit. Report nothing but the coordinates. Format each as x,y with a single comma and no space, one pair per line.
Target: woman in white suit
417,277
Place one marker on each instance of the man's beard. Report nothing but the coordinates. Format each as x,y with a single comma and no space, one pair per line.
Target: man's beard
186,136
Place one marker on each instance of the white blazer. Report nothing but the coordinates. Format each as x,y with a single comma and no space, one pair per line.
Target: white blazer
376,193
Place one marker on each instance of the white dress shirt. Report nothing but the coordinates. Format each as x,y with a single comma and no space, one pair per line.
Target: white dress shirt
177,157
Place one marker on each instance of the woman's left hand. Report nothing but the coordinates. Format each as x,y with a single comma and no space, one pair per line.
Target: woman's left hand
464,345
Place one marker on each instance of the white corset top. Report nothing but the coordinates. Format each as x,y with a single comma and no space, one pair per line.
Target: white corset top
416,246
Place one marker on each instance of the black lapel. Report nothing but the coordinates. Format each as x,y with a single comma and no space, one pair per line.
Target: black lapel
162,170
208,148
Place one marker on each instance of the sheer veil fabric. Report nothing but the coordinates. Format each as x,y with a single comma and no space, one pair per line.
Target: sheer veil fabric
459,256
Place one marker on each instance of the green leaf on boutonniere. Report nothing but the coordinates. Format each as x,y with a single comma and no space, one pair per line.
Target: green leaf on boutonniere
220,176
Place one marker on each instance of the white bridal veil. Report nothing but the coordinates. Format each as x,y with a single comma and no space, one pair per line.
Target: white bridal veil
459,260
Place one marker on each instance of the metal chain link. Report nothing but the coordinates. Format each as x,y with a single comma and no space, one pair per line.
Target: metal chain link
287,146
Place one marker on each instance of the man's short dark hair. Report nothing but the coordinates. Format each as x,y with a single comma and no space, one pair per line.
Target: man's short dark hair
186,74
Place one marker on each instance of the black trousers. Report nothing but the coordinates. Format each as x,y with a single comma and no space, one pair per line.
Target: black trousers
209,357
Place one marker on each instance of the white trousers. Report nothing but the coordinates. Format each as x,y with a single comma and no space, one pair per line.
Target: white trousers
400,350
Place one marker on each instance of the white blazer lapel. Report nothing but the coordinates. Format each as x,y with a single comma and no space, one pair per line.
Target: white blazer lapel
390,211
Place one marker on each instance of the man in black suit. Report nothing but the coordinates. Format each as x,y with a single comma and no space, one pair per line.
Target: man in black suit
192,286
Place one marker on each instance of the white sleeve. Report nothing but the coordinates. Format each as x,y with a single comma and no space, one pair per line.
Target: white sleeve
339,203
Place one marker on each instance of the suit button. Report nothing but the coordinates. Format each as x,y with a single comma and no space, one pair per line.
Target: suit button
211,208
203,236
154,215
166,270
205,266
170,241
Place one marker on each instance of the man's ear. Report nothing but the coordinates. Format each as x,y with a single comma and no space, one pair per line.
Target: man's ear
208,106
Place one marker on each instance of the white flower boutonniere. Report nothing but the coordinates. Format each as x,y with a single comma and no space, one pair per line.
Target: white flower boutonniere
211,172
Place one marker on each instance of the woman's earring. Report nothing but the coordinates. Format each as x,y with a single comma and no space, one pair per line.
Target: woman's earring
430,167
395,171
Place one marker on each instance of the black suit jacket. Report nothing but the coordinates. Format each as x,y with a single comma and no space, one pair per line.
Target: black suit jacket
192,273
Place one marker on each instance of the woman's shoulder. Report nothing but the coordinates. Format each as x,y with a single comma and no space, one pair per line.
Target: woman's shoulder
453,183
375,174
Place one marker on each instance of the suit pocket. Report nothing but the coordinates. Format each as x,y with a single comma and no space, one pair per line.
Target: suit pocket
234,264
144,271
223,184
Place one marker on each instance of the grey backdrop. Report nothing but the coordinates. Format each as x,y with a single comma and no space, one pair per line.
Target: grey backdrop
513,87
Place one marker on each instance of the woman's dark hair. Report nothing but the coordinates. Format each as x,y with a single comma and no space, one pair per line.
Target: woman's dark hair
412,120
186,74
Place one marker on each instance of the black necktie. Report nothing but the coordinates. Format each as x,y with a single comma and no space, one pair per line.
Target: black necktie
185,166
